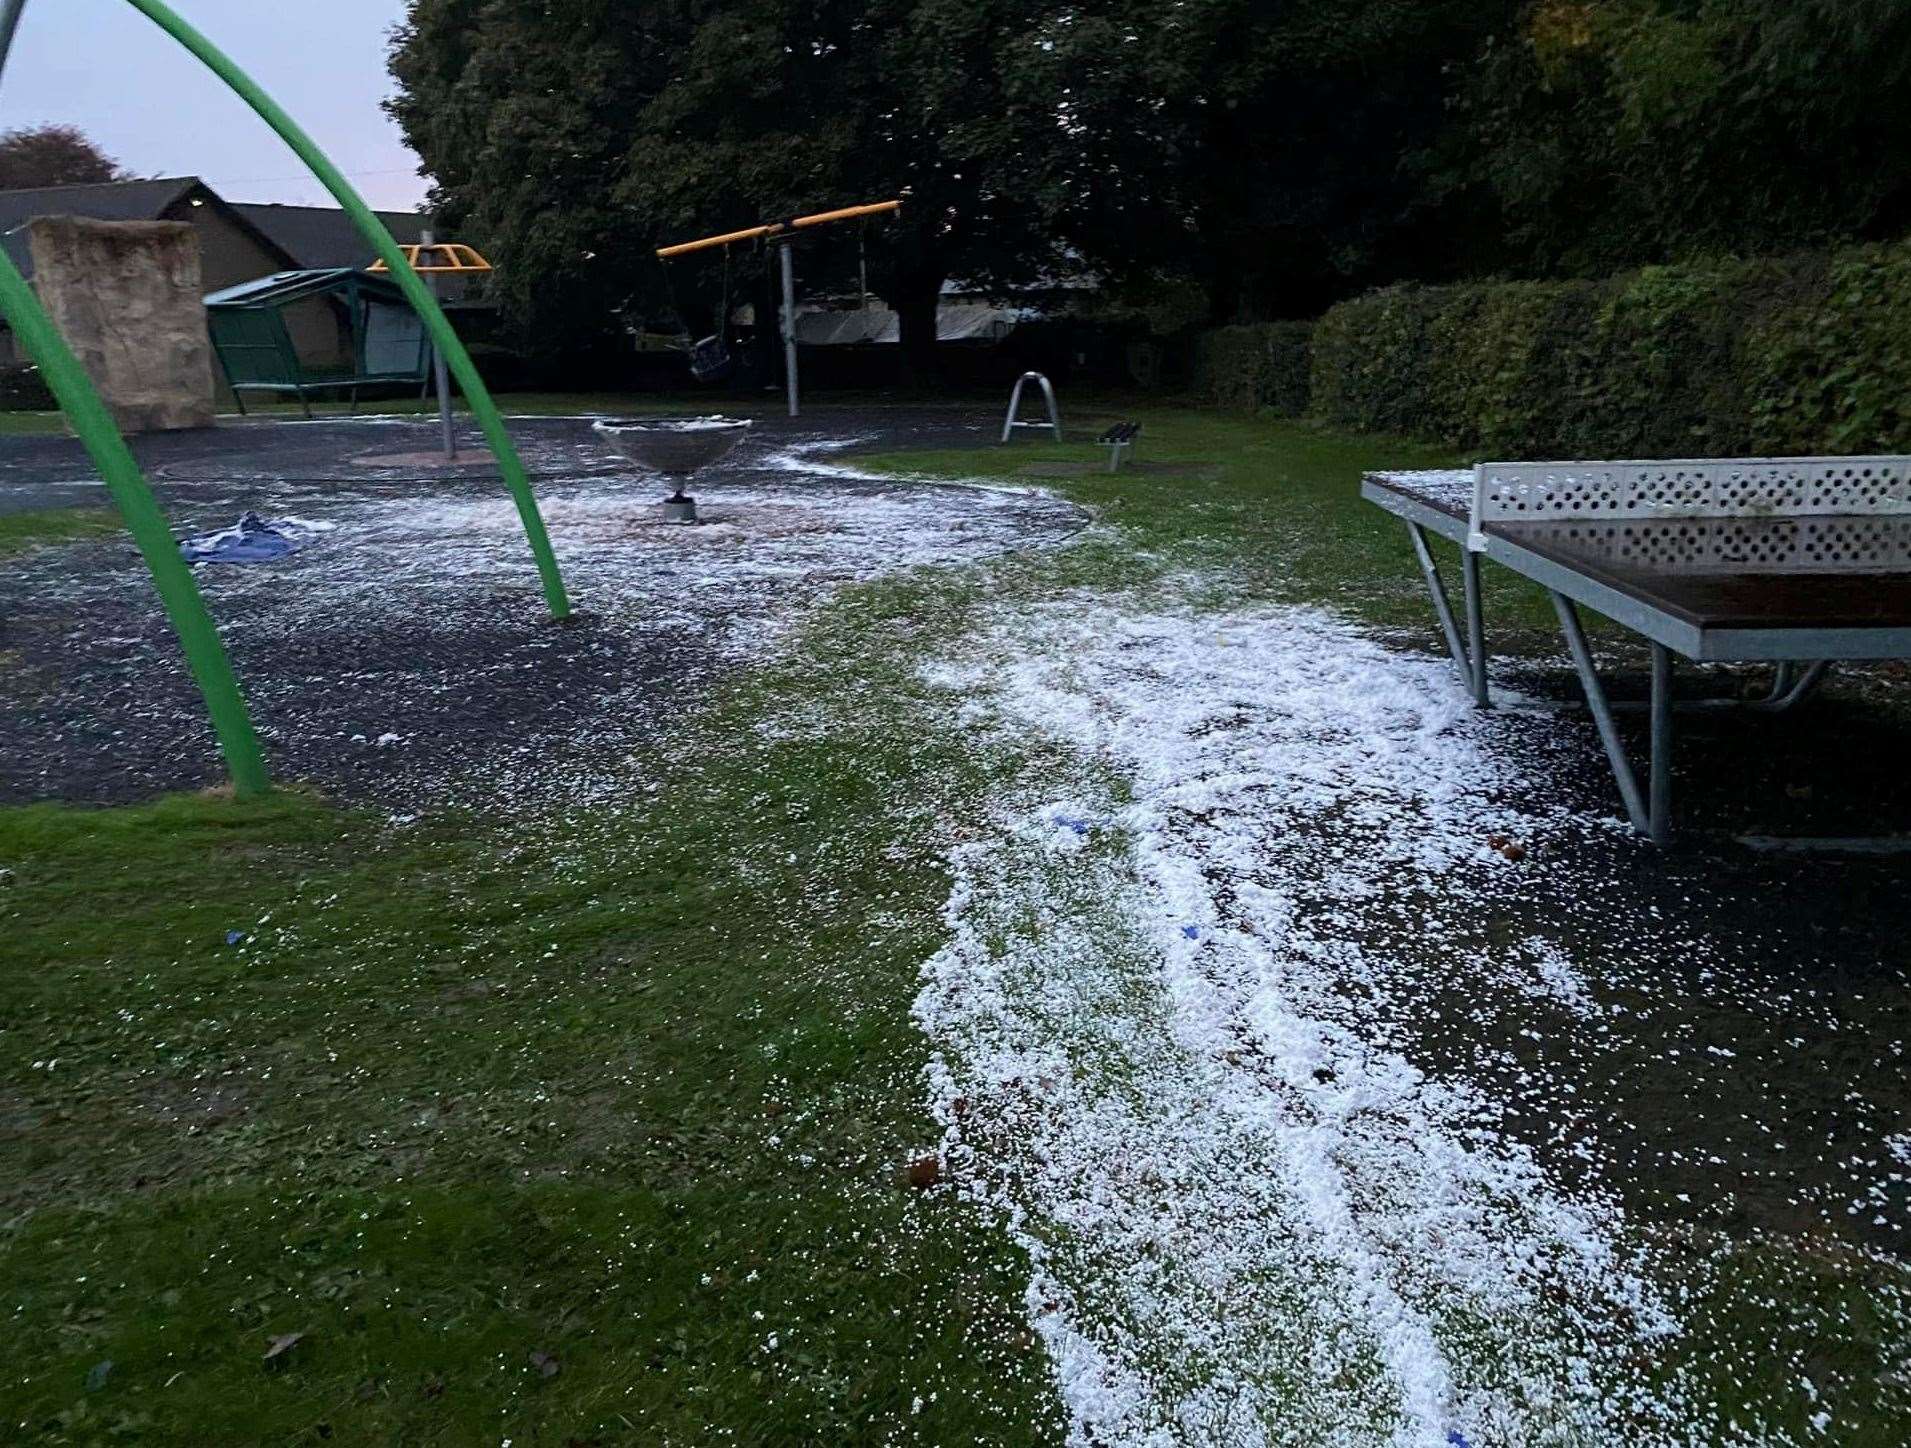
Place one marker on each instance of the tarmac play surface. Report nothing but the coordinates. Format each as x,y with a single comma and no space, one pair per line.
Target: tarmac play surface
404,653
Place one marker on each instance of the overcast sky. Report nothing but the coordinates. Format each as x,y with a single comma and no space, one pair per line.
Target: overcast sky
102,66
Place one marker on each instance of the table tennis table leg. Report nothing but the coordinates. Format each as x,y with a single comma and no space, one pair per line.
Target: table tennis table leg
1789,689
1470,675
1659,781
1475,625
1622,772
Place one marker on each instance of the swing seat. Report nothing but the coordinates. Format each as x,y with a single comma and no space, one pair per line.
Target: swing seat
711,360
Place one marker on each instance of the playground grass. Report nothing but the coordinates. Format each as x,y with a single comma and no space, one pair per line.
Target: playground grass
598,1133
40,526
1271,507
321,1125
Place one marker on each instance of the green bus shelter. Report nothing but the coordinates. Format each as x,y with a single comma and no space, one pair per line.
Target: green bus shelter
337,329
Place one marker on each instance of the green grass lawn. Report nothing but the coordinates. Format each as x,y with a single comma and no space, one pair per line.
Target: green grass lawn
1273,506
580,1130
595,1129
40,526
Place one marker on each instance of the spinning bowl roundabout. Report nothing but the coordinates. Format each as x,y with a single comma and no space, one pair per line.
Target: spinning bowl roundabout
677,447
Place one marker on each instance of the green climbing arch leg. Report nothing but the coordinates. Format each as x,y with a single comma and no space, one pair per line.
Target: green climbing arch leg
380,240
74,391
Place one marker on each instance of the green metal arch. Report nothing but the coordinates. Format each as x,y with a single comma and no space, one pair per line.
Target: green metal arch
78,398
416,292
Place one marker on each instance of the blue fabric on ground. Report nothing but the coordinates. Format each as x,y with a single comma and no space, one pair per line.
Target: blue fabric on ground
251,540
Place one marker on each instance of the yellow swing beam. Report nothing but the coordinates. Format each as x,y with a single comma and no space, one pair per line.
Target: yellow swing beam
779,228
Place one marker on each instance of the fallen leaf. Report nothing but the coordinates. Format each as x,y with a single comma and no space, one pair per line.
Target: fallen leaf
546,1365
925,1171
282,1344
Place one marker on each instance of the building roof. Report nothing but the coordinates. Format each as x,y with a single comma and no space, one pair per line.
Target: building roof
308,237
323,236
112,201
101,201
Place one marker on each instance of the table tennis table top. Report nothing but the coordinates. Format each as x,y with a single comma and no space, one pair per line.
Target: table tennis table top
1739,573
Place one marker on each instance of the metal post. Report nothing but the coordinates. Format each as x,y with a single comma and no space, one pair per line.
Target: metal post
1475,625
789,327
440,376
1659,787
1622,773
1431,572
9,23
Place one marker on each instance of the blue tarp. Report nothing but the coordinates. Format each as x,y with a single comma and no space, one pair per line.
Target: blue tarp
251,540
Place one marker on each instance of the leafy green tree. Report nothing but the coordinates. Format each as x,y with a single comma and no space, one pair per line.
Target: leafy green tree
1254,147
1275,153
1599,134
575,135
1258,146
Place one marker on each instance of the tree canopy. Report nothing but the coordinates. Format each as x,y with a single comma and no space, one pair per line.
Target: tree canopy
1275,153
574,135
1601,135
52,156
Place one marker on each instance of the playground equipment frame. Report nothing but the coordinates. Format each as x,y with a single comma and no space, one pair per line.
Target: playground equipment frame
81,403
782,233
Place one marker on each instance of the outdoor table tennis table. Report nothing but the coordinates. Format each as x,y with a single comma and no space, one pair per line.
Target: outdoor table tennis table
1795,562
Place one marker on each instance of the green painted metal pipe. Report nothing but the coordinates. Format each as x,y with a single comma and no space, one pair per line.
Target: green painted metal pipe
77,397
374,232
9,24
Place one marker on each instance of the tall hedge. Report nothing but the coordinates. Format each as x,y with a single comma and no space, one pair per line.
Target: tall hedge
1262,365
1797,355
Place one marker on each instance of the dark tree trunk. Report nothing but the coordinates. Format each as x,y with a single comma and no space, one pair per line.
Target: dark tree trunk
918,295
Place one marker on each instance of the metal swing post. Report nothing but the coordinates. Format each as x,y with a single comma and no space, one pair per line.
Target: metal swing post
789,326
1014,420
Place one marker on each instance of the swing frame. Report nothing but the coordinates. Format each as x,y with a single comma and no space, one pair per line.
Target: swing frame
781,234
